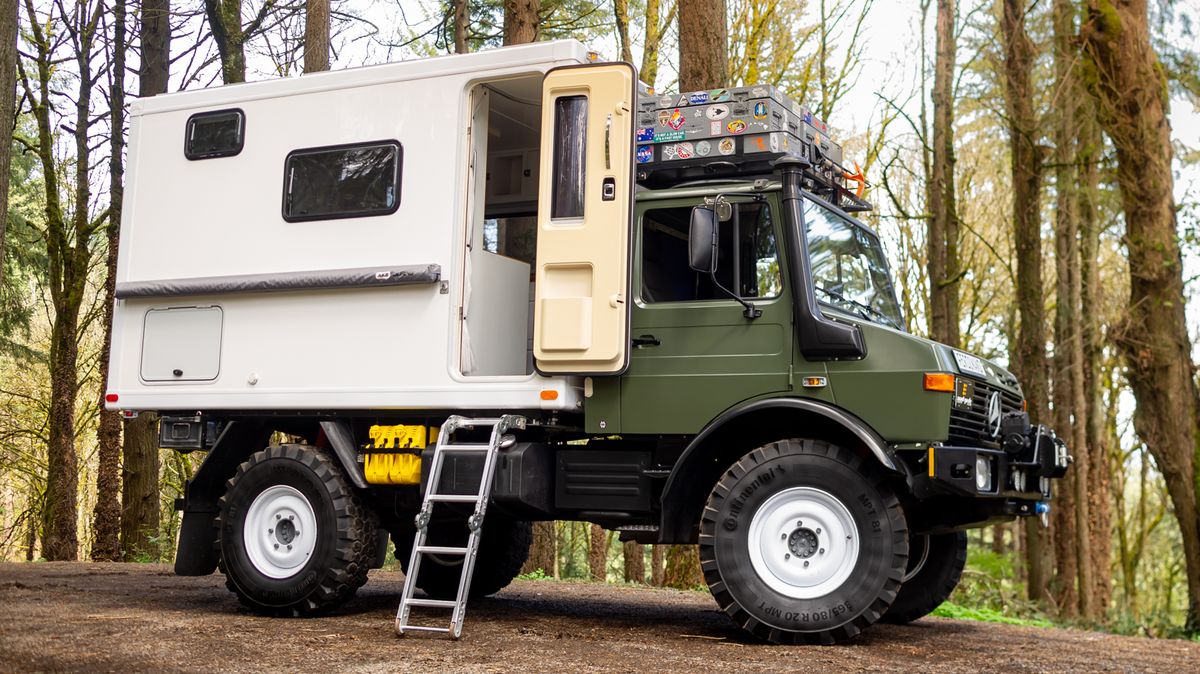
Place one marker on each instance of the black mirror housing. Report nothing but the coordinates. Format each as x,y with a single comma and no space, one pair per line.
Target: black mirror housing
702,240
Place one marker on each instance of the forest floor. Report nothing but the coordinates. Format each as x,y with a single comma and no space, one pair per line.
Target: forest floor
127,617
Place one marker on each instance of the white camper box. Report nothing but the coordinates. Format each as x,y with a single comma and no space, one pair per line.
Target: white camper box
205,318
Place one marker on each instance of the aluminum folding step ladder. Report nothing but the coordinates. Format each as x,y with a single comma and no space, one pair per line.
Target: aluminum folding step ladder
446,445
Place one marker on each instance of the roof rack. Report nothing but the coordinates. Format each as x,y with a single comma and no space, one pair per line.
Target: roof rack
738,133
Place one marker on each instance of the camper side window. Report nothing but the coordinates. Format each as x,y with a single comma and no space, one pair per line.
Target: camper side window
215,134
345,181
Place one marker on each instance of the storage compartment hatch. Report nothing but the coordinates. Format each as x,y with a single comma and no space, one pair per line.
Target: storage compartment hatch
182,344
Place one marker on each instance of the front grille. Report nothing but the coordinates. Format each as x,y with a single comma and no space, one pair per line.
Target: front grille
969,427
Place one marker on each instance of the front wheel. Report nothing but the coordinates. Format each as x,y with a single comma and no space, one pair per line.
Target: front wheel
803,542
294,537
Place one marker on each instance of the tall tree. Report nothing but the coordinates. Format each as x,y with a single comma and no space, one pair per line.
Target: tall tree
231,36
316,36
140,477
943,218
1027,168
69,232
703,45
655,25
9,17
543,552
1126,79
461,19
106,517
598,552
635,562
621,18
522,21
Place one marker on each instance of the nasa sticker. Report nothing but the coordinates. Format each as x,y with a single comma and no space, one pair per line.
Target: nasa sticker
760,110
676,120
725,146
703,148
685,151
736,126
645,134
717,112
645,154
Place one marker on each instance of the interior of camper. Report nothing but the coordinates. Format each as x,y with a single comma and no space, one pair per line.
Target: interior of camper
497,317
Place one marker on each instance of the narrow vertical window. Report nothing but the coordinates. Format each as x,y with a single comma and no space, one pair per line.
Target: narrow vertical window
570,153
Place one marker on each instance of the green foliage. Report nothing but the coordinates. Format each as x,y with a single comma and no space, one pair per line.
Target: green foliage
952,610
536,574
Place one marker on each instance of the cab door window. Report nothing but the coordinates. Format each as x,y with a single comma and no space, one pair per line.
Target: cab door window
747,256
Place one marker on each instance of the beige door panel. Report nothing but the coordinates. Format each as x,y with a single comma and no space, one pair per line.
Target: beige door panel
581,312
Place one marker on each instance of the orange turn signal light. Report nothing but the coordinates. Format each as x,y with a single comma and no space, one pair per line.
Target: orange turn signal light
939,381
549,394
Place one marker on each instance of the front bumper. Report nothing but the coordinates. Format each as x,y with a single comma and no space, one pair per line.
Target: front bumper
1030,459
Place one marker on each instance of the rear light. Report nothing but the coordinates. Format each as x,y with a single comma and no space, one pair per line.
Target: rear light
110,397
939,381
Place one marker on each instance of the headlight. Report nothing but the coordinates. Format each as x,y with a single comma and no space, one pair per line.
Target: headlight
983,473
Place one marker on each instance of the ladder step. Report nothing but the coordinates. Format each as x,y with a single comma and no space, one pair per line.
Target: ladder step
451,498
465,448
441,550
422,628
432,603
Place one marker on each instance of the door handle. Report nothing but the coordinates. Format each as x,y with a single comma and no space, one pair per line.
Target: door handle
608,143
646,340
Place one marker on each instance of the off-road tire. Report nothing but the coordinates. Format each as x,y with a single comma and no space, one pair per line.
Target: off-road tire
871,507
503,549
933,581
346,533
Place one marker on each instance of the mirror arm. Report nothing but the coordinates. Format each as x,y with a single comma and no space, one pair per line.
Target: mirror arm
751,312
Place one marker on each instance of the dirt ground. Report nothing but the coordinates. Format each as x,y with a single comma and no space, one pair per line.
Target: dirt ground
123,618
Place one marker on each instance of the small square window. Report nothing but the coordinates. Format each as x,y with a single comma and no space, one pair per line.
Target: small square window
345,181
215,134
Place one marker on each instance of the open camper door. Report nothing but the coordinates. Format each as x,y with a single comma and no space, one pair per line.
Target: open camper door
585,197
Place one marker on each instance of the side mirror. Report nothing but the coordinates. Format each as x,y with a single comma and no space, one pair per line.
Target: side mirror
702,240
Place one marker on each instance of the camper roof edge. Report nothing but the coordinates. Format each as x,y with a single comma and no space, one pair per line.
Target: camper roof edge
553,52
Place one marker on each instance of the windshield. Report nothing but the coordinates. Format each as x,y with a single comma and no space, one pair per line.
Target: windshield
849,269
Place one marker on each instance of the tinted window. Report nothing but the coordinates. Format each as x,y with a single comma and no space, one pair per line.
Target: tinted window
342,182
570,150
215,134
746,251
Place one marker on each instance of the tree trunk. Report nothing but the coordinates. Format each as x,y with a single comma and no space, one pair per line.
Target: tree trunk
106,522
156,47
59,538
8,88
1026,182
649,70
621,17
225,22
1100,466
943,221
658,555
682,570
635,563
140,517
316,36
461,19
522,21
1126,79
544,551
598,553
703,45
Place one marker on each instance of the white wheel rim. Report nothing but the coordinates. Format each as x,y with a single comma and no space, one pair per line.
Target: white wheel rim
803,543
280,532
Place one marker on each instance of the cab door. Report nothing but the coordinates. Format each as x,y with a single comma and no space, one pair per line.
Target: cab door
581,302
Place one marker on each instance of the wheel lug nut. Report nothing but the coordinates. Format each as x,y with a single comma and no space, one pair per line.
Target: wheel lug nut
799,523
786,556
270,531
292,517
277,517
276,546
783,537
818,530
289,547
821,551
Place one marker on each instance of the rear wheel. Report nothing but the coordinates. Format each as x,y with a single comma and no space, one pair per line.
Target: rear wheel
803,542
294,537
503,549
934,568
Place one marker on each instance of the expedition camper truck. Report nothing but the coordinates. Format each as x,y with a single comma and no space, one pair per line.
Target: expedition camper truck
654,313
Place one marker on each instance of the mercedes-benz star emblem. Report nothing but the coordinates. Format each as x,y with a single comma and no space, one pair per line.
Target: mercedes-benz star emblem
993,414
